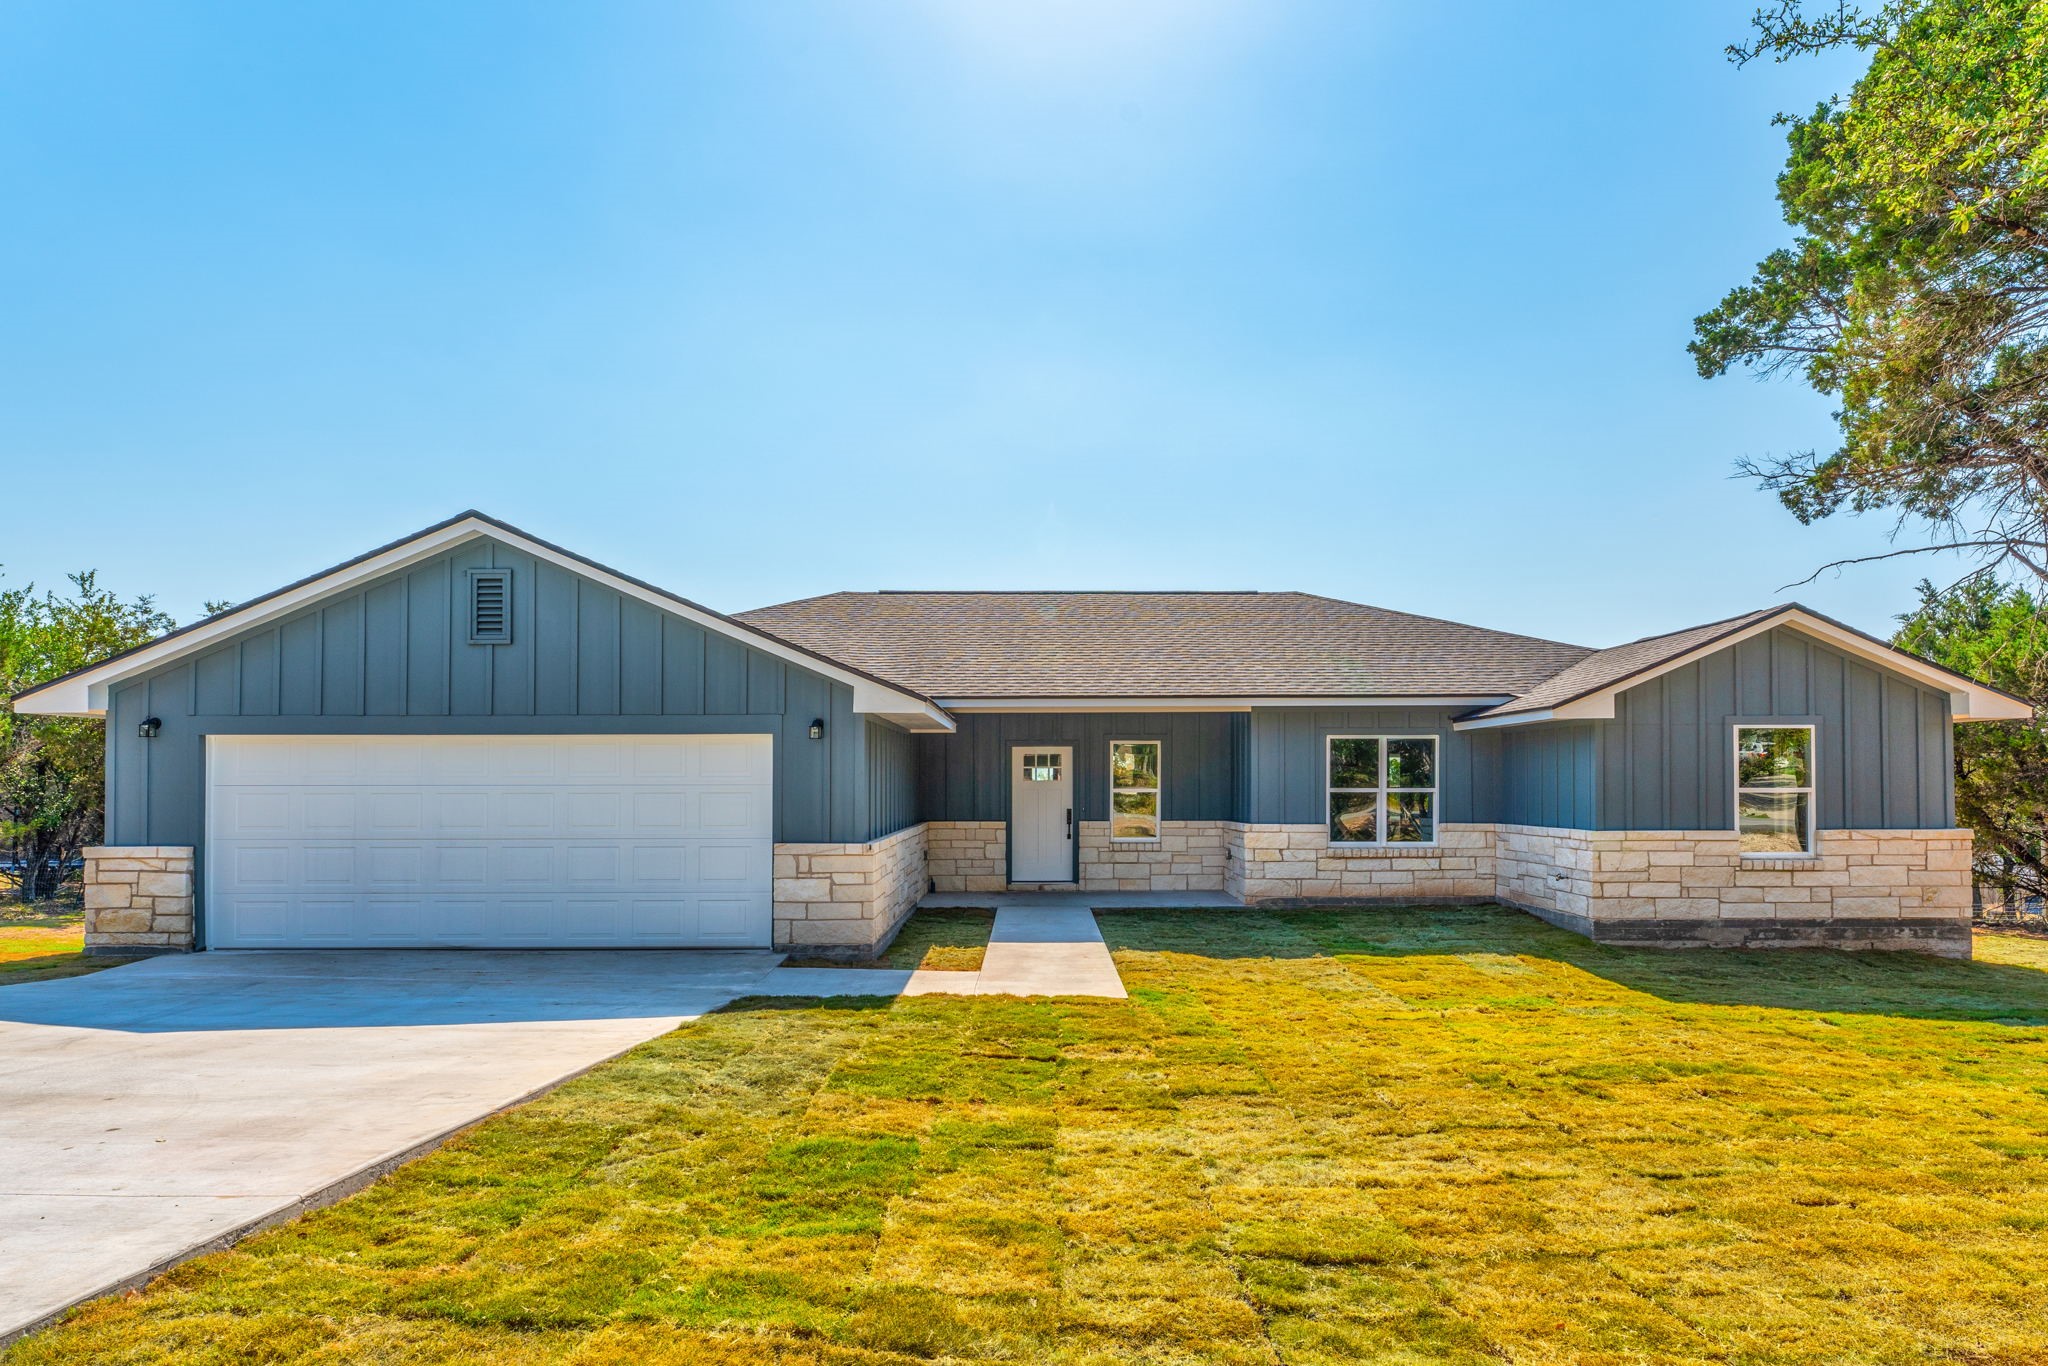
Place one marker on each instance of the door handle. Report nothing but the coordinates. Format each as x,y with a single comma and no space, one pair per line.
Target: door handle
1070,820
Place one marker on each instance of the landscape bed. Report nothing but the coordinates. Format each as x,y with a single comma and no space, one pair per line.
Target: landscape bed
1430,1135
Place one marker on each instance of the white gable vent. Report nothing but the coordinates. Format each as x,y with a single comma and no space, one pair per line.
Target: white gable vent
490,607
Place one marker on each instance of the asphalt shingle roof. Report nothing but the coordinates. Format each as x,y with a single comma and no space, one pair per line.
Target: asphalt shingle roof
1078,644
1604,668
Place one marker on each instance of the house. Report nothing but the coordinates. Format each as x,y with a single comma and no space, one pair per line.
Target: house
473,737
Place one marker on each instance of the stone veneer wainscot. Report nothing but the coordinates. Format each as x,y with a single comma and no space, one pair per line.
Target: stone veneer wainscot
1861,889
848,899
1188,856
138,898
968,856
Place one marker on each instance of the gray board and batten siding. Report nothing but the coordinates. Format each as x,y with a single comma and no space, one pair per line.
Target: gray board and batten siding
966,776
1884,743
394,657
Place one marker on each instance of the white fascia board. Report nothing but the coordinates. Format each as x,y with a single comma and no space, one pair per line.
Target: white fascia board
1520,718
1968,701
1173,704
86,694
911,713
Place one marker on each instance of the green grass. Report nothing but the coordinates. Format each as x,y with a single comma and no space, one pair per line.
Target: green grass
44,939
944,940
1318,1137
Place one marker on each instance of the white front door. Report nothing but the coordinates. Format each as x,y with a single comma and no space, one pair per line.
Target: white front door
1041,813
500,841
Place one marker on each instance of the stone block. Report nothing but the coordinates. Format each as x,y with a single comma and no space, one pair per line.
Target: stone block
840,933
134,920
163,884
803,889
107,896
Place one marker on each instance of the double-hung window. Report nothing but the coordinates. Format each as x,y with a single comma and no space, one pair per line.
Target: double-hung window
1774,790
1382,789
1134,790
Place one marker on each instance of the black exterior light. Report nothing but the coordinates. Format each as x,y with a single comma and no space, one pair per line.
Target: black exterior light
818,729
148,729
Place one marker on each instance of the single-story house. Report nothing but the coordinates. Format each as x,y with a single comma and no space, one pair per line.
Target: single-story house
474,737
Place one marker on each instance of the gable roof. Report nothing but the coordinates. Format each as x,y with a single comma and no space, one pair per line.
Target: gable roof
1587,688
83,692
1068,646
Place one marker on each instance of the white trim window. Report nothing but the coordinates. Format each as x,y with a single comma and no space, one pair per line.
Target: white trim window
1381,789
1133,790
1774,791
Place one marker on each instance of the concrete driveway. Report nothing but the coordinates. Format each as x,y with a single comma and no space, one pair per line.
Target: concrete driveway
155,1110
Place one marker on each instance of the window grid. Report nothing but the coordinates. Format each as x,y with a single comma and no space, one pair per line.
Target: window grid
1806,816
1420,812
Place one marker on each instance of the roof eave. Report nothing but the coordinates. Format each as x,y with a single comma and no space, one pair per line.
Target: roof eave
84,692
1969,700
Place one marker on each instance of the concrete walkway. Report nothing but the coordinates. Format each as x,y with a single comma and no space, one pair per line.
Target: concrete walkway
1043,944
161,1109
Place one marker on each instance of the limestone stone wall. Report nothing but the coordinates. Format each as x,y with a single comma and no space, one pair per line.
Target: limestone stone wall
1298,863
138,898
848,899
968,856
1188,856
1891,889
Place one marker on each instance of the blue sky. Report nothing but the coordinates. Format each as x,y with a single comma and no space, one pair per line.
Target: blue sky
1385,301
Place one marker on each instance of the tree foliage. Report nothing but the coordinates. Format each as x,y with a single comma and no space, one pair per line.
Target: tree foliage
1997,633
53,769
1916,288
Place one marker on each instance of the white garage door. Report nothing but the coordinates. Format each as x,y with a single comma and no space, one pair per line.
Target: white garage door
554,841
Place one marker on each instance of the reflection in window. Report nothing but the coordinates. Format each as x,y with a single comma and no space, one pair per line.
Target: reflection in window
1134,790
1382,789
1774,789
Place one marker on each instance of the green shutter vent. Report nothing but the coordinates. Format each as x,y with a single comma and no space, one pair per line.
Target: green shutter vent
490,607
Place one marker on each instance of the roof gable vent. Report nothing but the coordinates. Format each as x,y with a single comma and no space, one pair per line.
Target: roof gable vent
490,607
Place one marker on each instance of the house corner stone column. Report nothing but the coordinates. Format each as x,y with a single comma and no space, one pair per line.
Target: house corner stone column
138,899
847,900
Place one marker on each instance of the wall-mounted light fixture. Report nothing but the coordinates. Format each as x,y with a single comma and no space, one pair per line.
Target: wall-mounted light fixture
148,729
818,729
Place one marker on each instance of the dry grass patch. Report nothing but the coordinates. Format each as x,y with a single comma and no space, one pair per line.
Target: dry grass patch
1313,1137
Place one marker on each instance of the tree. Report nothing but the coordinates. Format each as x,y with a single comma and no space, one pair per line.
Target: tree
1997,633
53,769
1916,288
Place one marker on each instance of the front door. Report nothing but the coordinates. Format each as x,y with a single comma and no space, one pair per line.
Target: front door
1041,813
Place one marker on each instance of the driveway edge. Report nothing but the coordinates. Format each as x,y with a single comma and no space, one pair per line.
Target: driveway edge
332,1193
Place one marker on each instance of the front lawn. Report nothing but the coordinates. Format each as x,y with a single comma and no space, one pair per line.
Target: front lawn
1374,1136
44,939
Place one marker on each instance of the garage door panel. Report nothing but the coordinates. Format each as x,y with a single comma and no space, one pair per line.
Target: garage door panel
728,810
660,812
385,812
728,920
593,813
474,840
391,763
522,761
325,867
524,812
465,867
729,865
243,812
661,765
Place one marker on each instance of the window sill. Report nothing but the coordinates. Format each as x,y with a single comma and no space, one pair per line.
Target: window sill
1134,839
1381,850
1780,858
